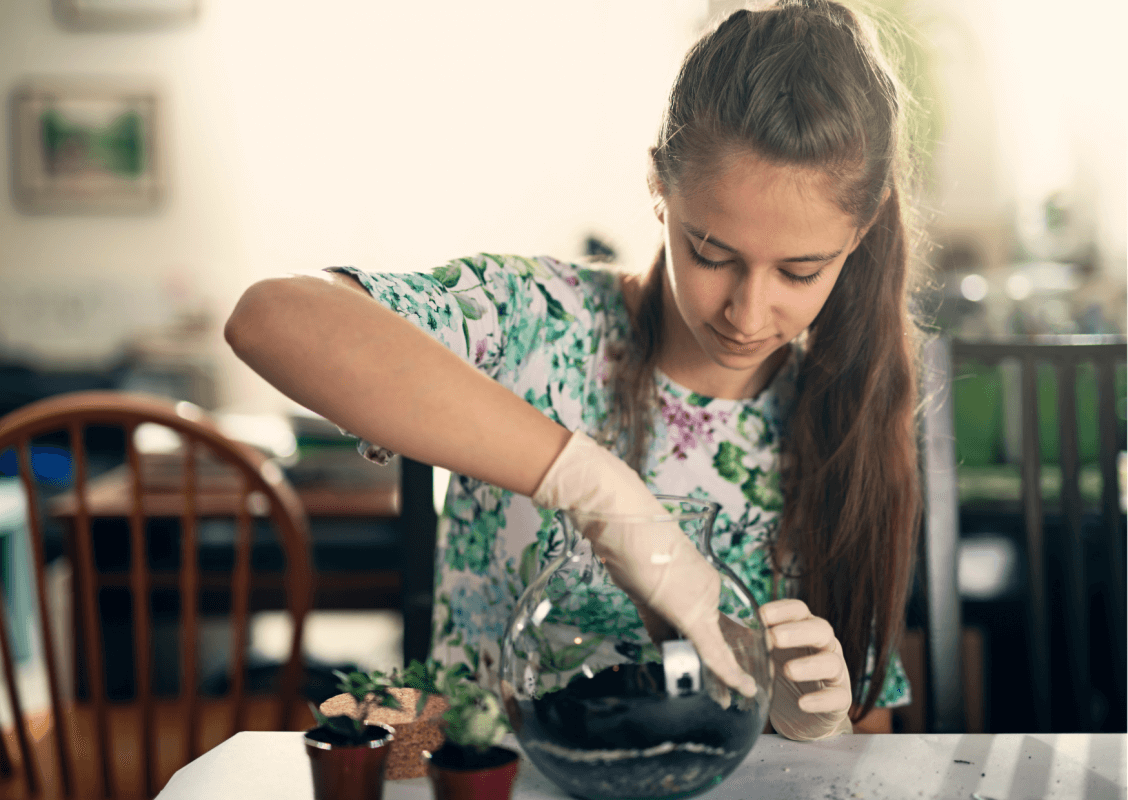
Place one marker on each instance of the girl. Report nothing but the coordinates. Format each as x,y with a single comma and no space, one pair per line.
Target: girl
766,361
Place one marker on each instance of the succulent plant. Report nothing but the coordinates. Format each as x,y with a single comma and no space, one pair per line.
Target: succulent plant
348,730
362,684
475,719
429,678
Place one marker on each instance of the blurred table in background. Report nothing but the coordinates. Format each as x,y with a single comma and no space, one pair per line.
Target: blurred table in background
357,540
351,504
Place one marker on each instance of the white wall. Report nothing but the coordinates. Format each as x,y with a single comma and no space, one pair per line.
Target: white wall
398,135
1034,107
386,135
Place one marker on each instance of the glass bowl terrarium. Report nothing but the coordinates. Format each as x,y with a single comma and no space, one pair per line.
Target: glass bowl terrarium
602,710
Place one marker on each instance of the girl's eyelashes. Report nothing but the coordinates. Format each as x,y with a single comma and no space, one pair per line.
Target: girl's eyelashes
700,259
804,279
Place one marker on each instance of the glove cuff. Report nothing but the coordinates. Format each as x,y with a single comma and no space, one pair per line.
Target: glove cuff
548,492
588,477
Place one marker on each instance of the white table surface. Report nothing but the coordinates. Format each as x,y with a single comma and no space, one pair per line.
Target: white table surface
274,766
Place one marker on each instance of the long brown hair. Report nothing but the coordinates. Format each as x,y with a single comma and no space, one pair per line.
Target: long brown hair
803,83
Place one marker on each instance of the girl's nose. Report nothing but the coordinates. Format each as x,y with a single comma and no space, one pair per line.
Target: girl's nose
749,308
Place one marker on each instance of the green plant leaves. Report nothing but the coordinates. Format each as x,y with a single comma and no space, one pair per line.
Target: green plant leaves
423,677
569,657
351,731
362,684
475,718
429,678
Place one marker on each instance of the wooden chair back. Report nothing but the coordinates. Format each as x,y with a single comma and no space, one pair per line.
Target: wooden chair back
260,491
1066,354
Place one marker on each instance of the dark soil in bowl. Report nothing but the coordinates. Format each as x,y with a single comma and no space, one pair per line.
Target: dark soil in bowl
617,735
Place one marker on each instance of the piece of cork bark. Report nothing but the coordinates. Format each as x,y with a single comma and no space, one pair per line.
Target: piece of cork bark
413,735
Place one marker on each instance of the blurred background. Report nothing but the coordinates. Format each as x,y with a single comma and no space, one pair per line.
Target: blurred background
232,141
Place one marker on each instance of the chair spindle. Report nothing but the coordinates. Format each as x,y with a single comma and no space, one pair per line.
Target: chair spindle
240,591
189,597
92,635
142,622
1037,612
30,769
1110,499
1073,557
35,531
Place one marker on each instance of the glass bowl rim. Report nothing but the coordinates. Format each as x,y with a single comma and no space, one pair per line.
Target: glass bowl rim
709,508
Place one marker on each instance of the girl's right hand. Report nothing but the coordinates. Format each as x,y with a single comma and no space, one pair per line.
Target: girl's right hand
663,573
811,694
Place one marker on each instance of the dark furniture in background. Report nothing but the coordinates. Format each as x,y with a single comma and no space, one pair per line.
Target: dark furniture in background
372,528
372,533
212,477
1056,648
417,525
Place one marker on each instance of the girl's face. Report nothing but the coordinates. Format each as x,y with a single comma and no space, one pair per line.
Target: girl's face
750,259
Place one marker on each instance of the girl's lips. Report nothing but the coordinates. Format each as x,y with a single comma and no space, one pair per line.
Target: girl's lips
736,346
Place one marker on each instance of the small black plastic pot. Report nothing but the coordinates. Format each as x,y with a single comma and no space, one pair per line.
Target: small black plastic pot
344,770
463,773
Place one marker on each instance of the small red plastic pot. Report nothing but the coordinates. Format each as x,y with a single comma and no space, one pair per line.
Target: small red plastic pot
353,772
452,779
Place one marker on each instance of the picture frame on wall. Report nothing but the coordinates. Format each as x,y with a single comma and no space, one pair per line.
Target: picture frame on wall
125,14
91,146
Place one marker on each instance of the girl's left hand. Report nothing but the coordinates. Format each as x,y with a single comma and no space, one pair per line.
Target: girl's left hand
812,694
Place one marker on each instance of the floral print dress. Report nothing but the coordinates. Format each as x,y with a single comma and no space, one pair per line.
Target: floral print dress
542,328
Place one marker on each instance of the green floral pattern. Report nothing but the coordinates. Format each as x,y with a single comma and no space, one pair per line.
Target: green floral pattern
542,328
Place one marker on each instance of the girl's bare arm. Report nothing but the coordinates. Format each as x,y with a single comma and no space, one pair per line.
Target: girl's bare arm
325,343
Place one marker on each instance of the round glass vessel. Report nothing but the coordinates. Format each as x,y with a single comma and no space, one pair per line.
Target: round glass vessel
602,710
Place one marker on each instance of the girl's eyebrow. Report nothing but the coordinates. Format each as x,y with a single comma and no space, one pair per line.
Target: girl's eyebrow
705,238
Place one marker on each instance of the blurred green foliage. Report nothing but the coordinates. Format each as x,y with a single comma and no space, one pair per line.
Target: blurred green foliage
977,396
979,393
903,28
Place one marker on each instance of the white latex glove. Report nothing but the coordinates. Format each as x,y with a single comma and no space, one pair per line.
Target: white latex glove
663,573
811,694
